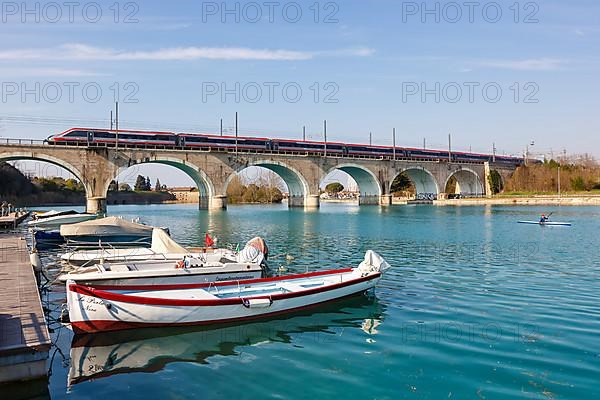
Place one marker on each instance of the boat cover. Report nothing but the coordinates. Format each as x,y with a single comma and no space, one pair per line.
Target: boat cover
105,227
54,213
260,244
255,251
373,262
163,244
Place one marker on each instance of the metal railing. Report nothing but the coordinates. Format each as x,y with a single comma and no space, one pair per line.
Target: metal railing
21,142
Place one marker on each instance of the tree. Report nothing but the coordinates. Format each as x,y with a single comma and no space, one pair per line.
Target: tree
334,187
157,187
252,194
495,181
74,185
148,184
401,183
140,184
578,184
113,187
235,190
124,187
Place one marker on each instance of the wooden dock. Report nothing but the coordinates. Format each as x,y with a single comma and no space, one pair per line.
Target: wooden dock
13,220
24,337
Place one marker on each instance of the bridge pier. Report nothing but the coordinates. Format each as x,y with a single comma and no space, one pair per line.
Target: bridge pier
295,201
203,202
96,205
386,200
217,203
312,201
369,200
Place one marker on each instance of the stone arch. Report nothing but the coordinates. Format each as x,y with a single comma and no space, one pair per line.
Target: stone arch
468,182
200,178
17,156
426,186
368,184
298,187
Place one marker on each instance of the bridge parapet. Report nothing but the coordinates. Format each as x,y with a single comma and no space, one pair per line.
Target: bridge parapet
212,171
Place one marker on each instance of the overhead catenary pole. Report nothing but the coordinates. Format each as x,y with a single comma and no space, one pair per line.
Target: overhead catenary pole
116,125
111,120
221,127
304,133
370,138
559,181
325,135
236,132
394,143
424,143
449,147
493,152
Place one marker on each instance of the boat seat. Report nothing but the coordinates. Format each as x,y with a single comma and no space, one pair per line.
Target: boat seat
291,287
203,295
120,268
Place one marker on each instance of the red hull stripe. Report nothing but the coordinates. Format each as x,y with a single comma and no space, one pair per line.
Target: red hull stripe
81,327
89,291
218,284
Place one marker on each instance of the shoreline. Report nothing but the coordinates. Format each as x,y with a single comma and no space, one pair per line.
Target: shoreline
524,201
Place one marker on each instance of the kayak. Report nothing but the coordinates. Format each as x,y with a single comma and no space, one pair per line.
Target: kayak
546,223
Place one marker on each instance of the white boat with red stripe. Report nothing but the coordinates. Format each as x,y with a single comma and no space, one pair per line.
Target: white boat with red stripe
110,308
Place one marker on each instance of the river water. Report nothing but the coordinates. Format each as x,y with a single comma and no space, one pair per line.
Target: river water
475,306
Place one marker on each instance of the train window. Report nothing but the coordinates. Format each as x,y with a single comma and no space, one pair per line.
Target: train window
76,134
104,135
253,142
196,139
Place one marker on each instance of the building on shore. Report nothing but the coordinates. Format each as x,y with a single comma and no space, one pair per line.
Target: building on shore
185,194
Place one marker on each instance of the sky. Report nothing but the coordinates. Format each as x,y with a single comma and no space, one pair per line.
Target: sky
503,73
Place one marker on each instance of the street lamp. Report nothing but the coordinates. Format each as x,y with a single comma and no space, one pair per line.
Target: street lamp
527,151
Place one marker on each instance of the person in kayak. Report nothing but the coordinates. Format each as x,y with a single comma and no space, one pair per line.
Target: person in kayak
544,219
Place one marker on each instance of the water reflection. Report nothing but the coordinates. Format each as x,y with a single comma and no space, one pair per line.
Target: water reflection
150,350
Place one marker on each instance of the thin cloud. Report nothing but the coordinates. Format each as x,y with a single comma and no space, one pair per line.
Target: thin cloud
49,72
535,64
84,52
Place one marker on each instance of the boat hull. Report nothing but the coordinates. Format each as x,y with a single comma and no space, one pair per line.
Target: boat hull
135,254
47,239
175,277
112,240
54,223
98,310
545,223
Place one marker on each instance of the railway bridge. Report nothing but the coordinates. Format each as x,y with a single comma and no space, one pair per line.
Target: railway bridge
212,170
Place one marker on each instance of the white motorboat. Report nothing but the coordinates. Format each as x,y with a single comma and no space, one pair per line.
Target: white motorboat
53,220
163,248
174,265
112,231
110,308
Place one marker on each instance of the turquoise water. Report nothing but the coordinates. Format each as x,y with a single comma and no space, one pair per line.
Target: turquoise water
474,307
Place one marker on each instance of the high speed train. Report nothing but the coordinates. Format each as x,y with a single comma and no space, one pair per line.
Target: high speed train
187,141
